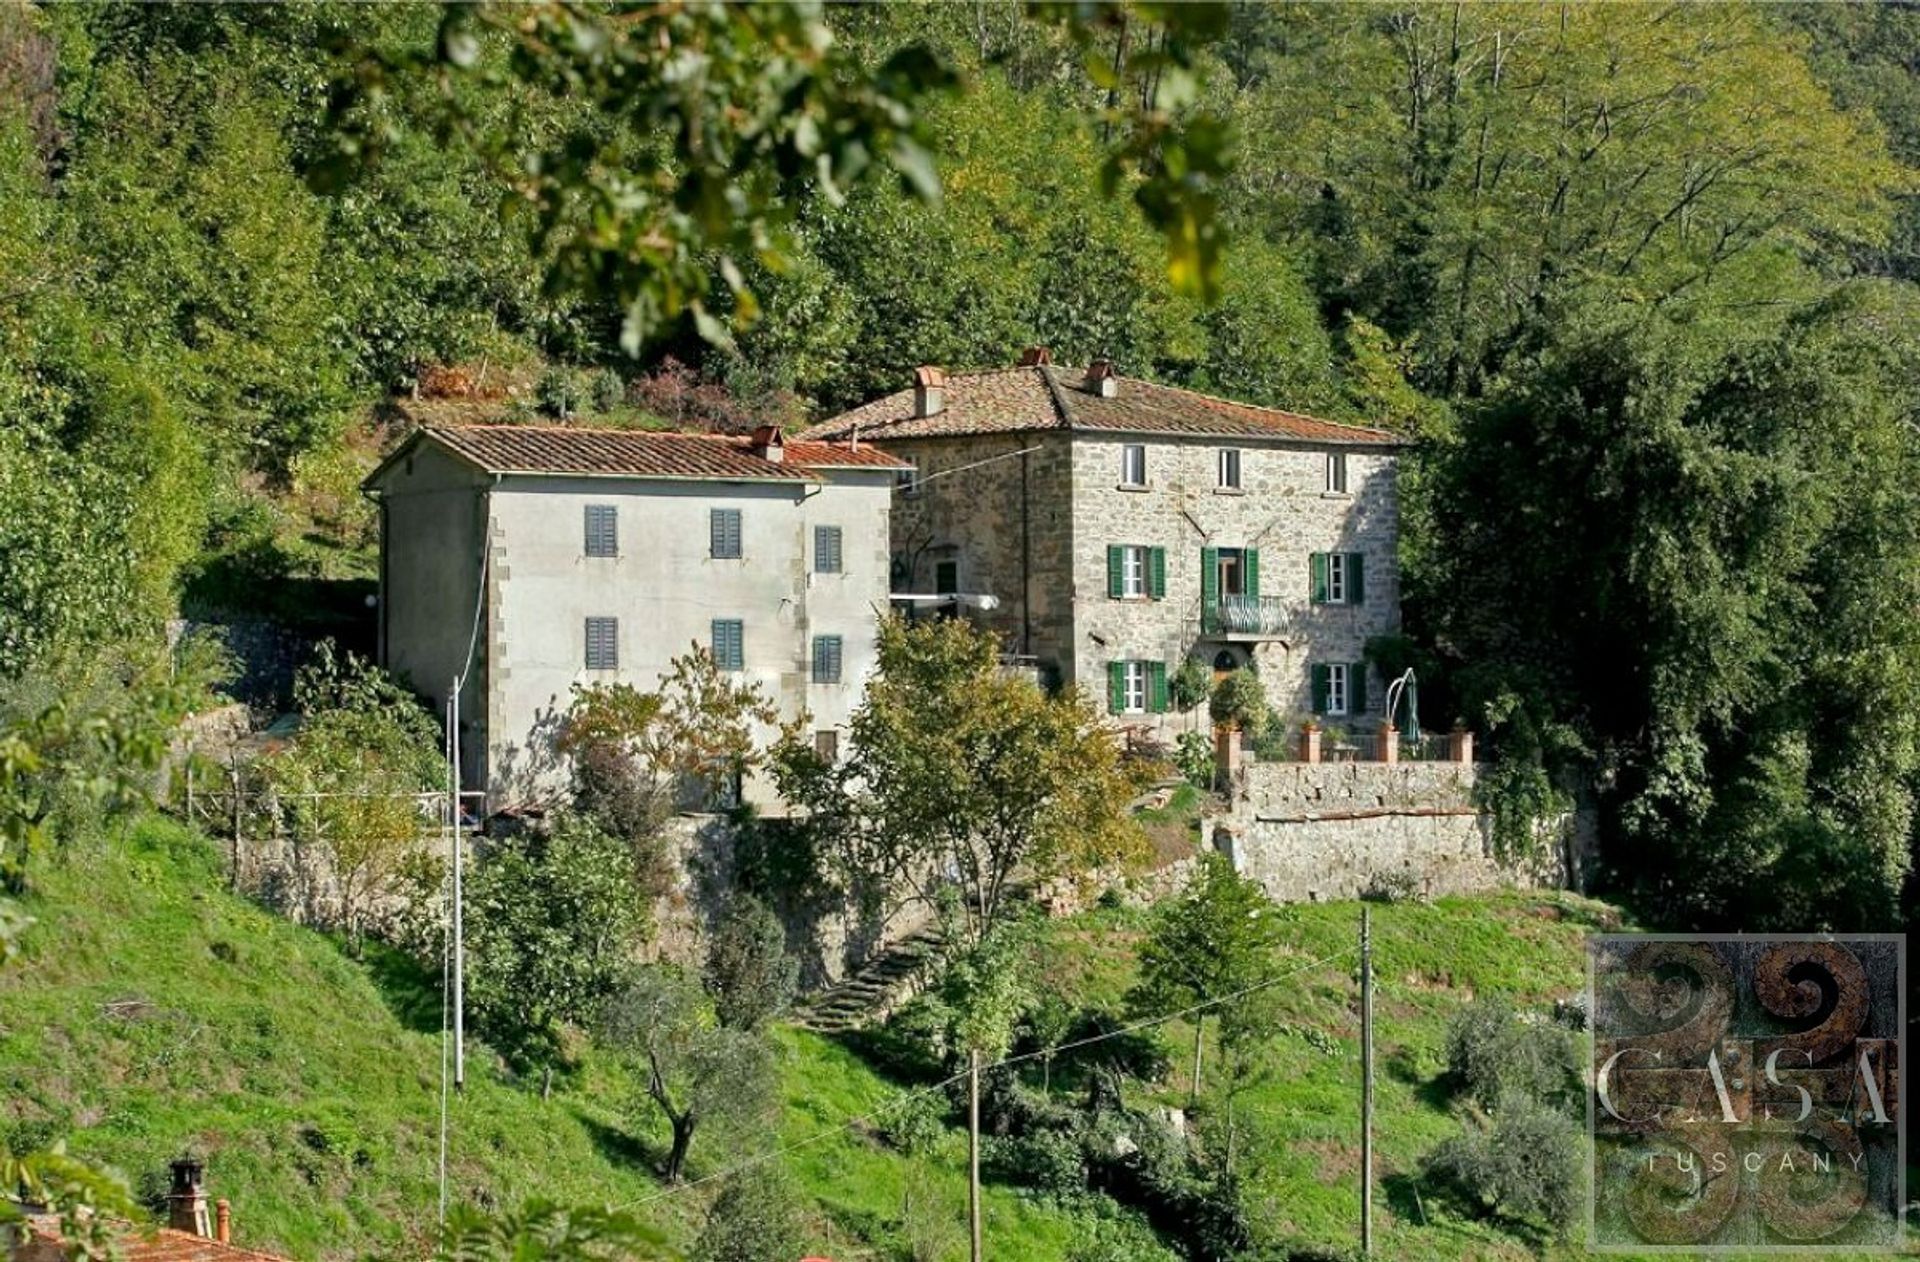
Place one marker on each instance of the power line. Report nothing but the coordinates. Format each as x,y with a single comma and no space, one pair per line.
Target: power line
943,1084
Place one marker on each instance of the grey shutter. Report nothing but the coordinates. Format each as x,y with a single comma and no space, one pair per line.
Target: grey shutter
826,549
603,530
603,643
725,524
729,649
826,659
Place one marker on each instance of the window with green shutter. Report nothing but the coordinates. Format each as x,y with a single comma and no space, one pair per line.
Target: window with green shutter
1117,687
1356,687
1157,687
1116,570
1157,573
1320,677
1356,578
1250,562
1209,589
1317,578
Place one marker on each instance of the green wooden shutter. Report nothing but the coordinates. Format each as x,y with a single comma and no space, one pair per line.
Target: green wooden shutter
1115,577
1356,579
1157,687
1209,587
1252,564
1356,688
1317,587
1157,573
1319,676
1116,686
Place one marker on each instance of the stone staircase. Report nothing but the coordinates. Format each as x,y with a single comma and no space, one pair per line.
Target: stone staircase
879,986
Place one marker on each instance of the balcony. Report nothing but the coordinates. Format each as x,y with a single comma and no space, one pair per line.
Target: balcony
1247,617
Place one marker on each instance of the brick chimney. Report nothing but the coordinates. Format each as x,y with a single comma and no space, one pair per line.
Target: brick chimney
223,1220
187,1200
1035,355
769,445
929,391
1101,379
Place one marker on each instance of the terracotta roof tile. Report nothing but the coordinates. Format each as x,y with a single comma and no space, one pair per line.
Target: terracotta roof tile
1041,397
163,1244
540,449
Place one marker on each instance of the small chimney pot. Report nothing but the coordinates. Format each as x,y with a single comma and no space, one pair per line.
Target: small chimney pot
1101,379
769,445
929,391
187,1200
223,1217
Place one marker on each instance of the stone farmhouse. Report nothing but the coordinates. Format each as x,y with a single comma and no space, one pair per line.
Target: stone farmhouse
562,556
1122,526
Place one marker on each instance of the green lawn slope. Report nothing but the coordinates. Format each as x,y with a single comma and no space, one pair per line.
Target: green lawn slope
153,1010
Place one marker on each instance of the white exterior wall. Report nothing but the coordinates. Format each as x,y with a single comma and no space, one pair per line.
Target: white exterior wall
1282,509
666,590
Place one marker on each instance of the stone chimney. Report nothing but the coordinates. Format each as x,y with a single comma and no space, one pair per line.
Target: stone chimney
1101,379
187,1200
769,445
1035,355
929,391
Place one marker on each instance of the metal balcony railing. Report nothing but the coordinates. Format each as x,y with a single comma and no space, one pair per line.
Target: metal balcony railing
1251,616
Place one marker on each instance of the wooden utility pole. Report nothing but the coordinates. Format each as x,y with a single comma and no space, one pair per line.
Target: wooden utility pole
1366,1082
973,1151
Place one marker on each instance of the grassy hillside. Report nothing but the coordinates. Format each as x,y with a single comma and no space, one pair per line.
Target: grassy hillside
154,1010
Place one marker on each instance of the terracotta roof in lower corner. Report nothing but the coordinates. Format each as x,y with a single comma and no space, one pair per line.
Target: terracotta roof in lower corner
44,1243
560,449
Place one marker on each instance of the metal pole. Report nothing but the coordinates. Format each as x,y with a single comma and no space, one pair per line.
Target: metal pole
973,1151
1366,1082
459,941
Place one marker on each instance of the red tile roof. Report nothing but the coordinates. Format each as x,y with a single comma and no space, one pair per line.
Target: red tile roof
163,1244
1045,396
556,449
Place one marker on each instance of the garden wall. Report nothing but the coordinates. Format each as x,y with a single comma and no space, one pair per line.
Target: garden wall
1320,831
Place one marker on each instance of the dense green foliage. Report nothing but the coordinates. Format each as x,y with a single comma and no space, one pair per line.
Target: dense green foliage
1640,281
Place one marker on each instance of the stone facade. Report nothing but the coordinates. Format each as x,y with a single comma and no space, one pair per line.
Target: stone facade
1029,518
1281,510
1327,831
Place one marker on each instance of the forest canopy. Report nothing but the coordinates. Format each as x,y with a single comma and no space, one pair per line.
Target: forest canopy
1637,280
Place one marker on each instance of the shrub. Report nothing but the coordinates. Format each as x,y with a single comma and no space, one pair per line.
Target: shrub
1240,699
748,971
561,391
1524,1164
1494,1052
756,1218
1193,754
1109,1238
1189,684
1047,1160
1391,887
606,390
914,1122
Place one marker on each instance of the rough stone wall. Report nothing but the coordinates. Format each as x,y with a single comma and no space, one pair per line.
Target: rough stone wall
1004,520
1313,832
1281,509
829,938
